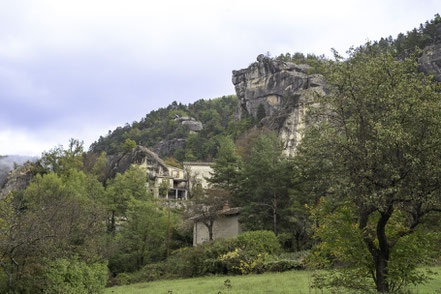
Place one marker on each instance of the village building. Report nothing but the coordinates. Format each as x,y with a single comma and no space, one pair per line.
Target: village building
174,183
226,225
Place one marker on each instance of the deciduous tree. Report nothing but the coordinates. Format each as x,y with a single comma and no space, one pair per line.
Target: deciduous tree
373,151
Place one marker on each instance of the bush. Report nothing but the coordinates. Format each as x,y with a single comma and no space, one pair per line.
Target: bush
186,262
72,276
250,252
259,242
282,265
240,262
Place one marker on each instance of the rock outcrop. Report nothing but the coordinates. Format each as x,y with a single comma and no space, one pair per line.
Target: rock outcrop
430,60
282,90
190,123
167,147
18,179
142,156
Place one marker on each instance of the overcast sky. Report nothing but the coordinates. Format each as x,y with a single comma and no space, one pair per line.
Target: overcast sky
78,68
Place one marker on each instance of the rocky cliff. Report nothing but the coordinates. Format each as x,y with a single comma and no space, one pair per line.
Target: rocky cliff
430,60
278,92
19,178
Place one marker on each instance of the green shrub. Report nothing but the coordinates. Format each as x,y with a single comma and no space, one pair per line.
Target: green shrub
250,252
240,262
259,242
186,262
72,276
149,272
122,279
282,265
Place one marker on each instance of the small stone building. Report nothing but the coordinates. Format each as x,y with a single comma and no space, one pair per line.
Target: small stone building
226,225
198,172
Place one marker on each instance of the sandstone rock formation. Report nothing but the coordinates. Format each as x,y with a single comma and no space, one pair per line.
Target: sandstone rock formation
283,90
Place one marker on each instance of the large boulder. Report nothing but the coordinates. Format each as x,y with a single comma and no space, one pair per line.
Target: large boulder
190,123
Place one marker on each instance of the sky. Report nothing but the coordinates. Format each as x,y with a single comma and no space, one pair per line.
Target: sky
79,68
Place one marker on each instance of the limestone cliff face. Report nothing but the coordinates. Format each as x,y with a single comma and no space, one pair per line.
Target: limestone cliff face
283,90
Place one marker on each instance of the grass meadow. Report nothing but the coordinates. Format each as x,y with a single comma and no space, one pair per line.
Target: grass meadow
292,282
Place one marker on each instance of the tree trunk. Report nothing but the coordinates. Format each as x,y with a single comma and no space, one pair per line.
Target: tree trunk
9,274
380,275
275,214
168,228
382,256
210,230
112,226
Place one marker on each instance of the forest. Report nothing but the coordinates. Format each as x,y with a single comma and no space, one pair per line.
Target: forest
360,201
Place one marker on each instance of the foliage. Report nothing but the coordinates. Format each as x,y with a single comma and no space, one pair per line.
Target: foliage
258,242
372,151
296,281
405,44
238,261
128,145
248,253
76,277
226,166
60,160
121,190
263,187
55,217
315,62
216,115
287,261
141,238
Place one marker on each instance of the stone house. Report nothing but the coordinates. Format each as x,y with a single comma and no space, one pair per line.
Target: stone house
177,184
226,225
180,182
198,173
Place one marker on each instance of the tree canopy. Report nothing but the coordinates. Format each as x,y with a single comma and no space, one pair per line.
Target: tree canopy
373,152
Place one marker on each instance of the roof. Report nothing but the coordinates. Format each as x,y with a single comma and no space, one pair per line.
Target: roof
201,163
224,212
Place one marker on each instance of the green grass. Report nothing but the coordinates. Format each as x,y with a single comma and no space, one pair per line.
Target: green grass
293,282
